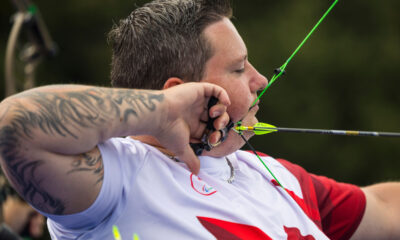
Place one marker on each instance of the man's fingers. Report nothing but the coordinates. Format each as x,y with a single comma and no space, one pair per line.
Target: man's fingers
190,159
204,116
188,118
199,132
215,137
217,110
221,121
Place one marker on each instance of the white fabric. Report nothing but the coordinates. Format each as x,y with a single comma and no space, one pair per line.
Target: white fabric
146,193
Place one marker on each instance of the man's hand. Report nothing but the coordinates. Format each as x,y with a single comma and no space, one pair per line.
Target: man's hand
185,119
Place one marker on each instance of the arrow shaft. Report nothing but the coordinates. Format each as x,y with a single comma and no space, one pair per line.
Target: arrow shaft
332,132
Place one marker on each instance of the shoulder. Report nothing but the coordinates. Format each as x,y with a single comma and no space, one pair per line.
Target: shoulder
125,156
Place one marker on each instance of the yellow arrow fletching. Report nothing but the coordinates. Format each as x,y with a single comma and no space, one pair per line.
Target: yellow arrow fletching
259,128
263,125
263,128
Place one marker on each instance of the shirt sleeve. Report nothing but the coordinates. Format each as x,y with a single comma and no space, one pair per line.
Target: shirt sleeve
119,155
341,206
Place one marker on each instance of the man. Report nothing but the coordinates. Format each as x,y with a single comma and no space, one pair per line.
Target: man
59,148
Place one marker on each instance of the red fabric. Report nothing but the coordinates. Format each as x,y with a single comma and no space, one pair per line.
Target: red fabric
232,231
336,208
309,208
294,234
340,206
225,230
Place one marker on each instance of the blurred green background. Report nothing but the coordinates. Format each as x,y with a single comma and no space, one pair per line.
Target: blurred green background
345,77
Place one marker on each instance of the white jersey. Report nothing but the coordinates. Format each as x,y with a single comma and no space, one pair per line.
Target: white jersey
148,194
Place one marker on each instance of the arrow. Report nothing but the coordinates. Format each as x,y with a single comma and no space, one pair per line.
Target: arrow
265,128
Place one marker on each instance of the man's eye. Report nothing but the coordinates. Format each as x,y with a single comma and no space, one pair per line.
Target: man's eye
239,70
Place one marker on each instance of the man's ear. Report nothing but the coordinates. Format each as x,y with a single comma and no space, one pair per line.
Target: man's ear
171,82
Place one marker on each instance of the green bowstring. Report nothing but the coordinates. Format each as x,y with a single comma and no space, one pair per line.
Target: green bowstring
263,163
282,68
273,79
259,158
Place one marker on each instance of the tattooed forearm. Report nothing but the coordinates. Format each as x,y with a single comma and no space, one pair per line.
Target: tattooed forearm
62,115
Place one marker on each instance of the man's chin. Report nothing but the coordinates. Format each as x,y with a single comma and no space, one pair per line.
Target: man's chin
250,118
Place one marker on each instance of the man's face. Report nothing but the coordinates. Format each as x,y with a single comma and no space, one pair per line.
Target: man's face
230,69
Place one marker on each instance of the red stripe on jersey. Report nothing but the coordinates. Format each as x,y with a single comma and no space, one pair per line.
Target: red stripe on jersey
294,234
232,231
311,212
340,206
310,200
309,204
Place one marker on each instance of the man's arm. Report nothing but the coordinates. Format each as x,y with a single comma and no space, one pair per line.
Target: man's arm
48,135
382,214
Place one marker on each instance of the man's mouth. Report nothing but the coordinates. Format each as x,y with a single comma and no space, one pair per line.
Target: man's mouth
251,111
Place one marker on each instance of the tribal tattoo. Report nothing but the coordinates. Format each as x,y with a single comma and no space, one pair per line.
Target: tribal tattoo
62,115
90,162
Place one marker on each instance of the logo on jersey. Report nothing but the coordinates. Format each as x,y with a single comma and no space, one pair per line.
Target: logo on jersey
200,186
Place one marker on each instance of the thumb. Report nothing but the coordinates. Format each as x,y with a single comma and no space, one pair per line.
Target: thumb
191,160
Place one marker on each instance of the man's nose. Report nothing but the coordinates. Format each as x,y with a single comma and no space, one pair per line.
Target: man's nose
259,81
263,81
